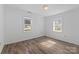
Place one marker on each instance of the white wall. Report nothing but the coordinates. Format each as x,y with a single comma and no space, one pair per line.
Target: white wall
40,26
70,20
1,28
14,25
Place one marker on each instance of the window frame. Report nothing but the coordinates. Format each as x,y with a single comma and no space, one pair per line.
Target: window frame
55,25
25,29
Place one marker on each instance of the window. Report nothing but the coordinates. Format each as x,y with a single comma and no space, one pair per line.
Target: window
57,26
27,24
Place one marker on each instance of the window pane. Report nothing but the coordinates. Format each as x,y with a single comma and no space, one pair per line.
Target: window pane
57,26
27,22
27,27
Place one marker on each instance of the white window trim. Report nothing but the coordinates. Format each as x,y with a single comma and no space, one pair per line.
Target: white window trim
54,26
25,29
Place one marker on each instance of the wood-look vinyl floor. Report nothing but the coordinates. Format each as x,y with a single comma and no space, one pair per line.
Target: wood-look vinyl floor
41,45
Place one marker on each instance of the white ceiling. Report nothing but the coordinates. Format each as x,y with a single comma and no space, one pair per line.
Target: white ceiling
52,8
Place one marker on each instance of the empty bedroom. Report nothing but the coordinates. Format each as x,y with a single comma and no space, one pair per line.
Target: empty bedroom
39,28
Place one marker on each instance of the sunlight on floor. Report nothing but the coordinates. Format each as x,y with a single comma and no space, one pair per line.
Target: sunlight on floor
48,43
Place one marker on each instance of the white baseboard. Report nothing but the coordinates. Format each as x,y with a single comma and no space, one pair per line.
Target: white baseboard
28,38
65,40
1,48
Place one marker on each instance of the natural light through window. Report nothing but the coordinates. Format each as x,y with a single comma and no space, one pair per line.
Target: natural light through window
48,43
27,24
57,26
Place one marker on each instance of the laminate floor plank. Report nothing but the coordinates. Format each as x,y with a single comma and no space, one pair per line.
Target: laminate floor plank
41,45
